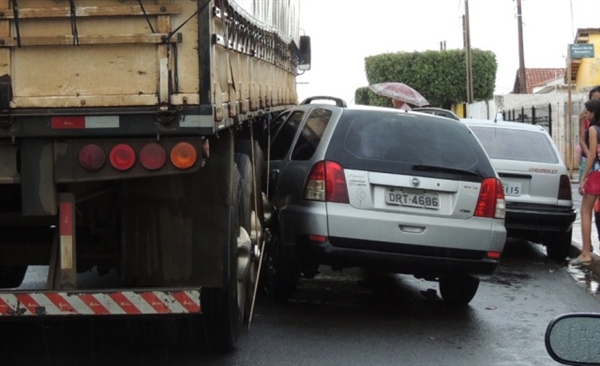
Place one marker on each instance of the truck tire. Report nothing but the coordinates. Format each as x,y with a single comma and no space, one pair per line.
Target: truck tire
224,307
12,276
245,147
227,309
254,222
246,211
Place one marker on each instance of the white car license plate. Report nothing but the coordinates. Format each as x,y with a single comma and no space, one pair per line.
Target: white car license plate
412,197
512,189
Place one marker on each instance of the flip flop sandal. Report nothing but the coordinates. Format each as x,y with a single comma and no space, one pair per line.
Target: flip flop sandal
578,262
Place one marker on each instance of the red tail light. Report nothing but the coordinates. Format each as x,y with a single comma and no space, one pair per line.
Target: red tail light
564,190
491,199
122,157
317,238
153,156
494,255
326,182
92,157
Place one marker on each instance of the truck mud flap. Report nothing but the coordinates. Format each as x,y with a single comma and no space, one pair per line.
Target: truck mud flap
134,302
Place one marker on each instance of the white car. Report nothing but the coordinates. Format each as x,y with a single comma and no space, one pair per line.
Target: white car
537,187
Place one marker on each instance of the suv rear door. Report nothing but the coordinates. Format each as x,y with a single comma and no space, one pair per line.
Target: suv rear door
413,172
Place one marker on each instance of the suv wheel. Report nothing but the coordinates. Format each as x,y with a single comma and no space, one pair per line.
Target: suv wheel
458,289
280,276
559,245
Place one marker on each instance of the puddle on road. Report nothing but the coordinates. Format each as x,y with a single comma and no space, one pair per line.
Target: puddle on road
586,278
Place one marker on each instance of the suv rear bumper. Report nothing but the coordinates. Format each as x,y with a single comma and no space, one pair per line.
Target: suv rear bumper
425,262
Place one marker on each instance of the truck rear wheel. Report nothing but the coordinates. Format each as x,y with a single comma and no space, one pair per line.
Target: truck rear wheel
246,262
251,213
225,307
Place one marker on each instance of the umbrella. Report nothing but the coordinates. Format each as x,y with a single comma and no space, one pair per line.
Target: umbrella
400,92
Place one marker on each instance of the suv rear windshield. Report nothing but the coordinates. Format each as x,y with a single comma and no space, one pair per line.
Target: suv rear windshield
513,144
395,142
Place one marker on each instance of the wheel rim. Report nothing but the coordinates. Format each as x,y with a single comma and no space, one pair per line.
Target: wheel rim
257,242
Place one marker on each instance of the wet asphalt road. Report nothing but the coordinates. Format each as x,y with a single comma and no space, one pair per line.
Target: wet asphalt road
348,318
344,319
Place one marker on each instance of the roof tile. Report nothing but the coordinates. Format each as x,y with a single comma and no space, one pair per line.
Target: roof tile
537,77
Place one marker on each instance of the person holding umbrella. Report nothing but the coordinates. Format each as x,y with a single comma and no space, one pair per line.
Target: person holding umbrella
401,105
400,93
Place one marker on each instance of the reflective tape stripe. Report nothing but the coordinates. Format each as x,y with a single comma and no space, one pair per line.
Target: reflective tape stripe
82,122
105,303
187,301
125,304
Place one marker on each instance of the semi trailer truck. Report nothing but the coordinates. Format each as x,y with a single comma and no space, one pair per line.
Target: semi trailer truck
128,147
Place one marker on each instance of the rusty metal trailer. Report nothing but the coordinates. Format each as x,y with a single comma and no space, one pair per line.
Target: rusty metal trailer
129,142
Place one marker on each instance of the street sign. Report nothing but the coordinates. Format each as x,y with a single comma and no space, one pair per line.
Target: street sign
581,50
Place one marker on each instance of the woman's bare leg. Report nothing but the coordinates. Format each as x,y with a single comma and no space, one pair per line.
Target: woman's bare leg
587,206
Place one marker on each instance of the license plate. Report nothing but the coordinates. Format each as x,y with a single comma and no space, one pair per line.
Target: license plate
412,198
512,189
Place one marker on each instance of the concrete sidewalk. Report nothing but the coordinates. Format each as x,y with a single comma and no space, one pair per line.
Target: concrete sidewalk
576,241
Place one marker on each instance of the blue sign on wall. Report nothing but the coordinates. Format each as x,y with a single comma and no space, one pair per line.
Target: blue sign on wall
581,50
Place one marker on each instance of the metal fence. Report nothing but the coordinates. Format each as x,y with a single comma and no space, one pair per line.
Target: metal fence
554,118
544,115
537,115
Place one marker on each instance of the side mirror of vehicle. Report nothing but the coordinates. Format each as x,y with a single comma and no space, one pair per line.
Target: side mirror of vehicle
305,51
574,339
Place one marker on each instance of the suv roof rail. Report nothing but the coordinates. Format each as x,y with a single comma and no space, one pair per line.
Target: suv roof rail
338,101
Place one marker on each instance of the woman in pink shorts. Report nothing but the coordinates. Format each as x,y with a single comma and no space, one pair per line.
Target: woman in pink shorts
589,185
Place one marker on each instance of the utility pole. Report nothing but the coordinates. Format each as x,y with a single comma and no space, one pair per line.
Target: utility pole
469,63
522,75
570,157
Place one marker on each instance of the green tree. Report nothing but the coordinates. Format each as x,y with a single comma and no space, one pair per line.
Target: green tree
440,76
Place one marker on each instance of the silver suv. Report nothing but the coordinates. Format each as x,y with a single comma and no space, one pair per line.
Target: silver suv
379,188
536,183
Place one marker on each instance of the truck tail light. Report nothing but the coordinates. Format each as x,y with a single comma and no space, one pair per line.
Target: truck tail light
491,201
326,182
92,157
183,155
564,189
153,156
122,157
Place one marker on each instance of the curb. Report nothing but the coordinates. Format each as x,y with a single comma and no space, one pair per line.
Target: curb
594,267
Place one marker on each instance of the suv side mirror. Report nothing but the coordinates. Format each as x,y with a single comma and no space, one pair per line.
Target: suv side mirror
572,339
305,51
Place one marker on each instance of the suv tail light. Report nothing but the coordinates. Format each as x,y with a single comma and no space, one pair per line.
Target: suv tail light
564,189
491,199
326,182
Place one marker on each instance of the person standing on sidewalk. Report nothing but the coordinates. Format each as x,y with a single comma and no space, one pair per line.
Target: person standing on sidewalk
589,185
584,124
